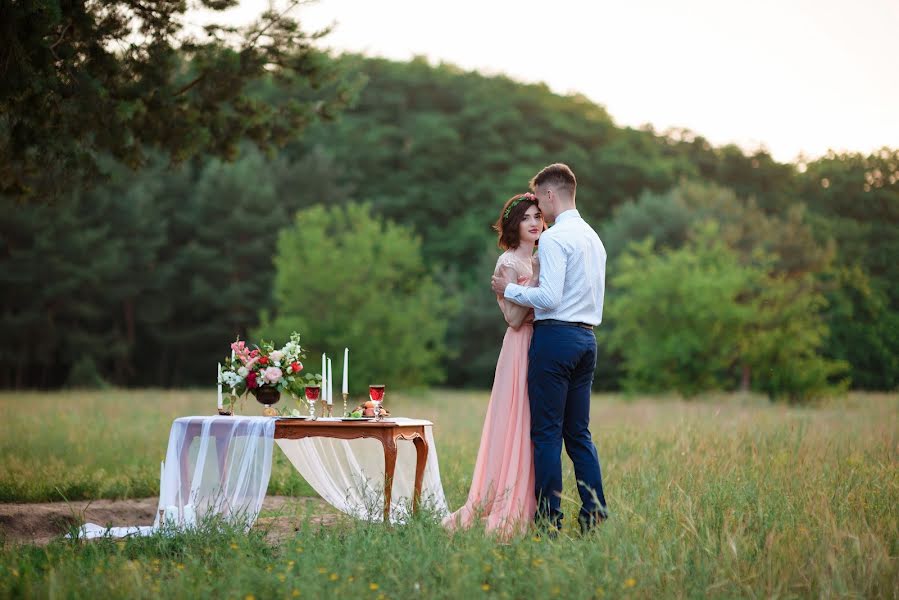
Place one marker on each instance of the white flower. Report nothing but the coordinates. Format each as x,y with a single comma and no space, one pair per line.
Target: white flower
243,371
231,379
276,356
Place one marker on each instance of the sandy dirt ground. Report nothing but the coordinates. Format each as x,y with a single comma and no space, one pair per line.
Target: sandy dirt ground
40,523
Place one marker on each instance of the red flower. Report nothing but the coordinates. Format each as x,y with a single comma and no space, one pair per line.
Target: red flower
296,366
263,360
251,380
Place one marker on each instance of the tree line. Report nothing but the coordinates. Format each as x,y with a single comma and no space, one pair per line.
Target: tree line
370,228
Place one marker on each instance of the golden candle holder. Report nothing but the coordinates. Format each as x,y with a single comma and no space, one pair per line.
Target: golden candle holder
227,410
345,396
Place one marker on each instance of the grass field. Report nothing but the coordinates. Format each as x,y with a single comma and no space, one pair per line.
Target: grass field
724,497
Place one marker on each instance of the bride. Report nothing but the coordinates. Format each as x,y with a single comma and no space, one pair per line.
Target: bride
501,498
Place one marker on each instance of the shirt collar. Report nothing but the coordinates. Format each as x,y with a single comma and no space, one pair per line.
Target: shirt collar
571,213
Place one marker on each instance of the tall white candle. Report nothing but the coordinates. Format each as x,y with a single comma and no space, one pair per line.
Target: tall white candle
330,384
220,385
324,379
346,358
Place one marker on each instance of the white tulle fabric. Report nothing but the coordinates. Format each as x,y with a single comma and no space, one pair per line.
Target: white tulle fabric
349,474
234,492
194,485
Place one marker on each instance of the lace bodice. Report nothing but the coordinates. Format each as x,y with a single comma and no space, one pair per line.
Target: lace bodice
525,268
528,273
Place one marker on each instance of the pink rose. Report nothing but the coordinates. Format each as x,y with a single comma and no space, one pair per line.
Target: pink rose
272,374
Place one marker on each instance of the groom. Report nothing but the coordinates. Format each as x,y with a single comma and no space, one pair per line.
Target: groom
562,358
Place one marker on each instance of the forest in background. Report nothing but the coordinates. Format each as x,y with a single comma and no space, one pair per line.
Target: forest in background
371,229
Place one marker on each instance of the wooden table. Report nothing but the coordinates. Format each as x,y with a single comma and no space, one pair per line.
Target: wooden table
388,432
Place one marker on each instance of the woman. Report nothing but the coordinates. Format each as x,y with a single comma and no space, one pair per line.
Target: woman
502,487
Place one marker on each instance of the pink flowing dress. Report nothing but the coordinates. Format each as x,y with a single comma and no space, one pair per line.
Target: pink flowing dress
501,498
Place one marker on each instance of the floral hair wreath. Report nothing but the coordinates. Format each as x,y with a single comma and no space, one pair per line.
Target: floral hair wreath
526,196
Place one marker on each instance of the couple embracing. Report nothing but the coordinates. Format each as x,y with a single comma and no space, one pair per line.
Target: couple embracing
551,301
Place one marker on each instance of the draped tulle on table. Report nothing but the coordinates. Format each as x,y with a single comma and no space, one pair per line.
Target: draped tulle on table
214,467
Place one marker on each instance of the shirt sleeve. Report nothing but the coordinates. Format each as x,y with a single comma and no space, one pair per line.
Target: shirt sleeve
548,295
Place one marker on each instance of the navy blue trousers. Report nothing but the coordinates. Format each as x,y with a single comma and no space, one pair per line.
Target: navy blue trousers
561,363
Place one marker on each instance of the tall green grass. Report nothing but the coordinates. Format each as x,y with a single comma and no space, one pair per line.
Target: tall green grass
724,497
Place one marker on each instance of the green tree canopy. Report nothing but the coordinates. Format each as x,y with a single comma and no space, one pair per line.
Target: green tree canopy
78,79
347,278
690,319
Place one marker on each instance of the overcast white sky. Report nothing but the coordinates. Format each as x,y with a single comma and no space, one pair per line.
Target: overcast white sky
790,75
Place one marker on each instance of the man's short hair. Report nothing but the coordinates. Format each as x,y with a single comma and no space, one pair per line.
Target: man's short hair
558,175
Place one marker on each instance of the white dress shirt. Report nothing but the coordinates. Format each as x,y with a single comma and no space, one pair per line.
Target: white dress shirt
572,274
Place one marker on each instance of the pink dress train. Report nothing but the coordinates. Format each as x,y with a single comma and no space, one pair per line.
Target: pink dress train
501,497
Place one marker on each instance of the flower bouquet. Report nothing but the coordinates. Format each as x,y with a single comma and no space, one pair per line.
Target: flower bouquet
266,372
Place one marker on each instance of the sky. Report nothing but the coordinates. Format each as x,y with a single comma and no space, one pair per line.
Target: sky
794,77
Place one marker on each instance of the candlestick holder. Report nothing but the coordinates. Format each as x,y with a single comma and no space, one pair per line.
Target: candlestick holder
345,413
330,410
227,409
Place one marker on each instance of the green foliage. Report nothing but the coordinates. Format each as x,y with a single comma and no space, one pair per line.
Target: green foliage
677,316
347,278
151,275
84,375
787,279
182,257
435,147
694,318
855,199
116,78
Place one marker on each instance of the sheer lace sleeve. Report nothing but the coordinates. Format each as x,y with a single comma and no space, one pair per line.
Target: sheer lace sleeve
514,314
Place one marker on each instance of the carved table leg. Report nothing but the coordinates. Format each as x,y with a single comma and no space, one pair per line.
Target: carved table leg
421,460
389,468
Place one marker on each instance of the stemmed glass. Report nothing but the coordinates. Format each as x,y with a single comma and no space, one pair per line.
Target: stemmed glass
313,392
376,393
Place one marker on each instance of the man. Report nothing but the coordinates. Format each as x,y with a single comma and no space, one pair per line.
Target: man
562,357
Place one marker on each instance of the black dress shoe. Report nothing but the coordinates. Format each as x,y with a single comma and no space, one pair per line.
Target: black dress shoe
590,521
